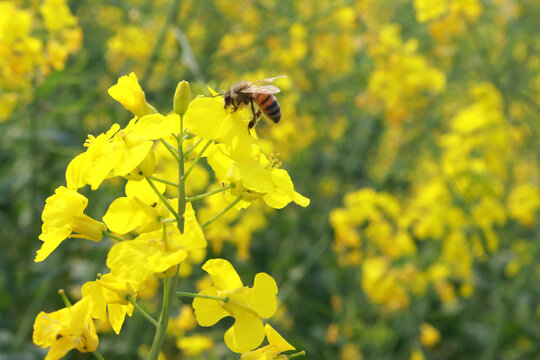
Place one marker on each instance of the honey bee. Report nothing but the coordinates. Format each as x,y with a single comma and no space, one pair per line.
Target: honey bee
259,92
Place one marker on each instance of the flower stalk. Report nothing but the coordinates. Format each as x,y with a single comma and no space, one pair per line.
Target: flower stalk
164,200
202,296
171,149
188,151
169,286
210,193
163,181
219,214
143,313
199,155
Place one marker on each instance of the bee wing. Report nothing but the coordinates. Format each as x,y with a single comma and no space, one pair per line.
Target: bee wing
263,89
266,81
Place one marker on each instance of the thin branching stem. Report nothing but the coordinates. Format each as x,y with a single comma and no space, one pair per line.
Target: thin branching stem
98,355
163,199
112,236
171,149
169,285
219,214
188,151
163,181
298,354
202,296
143,313
199,155
210,193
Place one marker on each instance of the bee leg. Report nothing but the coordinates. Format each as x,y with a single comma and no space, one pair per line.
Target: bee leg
255,118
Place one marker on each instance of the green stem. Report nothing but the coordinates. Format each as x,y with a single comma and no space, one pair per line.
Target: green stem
98,355
169,288
112,236
62,294
162,326
229,207
209,297
199,155
143,313
202,196
188,151
170,149
181,177
164,200
166,182
298,354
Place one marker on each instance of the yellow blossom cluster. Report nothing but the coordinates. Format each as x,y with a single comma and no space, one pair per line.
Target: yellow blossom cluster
155,228
432,237
402,80
447,18
34,41
463,193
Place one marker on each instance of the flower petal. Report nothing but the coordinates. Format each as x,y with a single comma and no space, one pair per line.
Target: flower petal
263,294
223,274
277,340
51,241
208,312
123,215
117,314
205,116
246,334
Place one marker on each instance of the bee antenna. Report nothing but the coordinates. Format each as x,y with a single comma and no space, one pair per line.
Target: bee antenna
217,95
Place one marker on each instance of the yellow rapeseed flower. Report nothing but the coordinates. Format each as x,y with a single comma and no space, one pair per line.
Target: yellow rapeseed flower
109,299
66,329
63,217
118,152
129,93
276,345
153,253
140,210
246,305
255,177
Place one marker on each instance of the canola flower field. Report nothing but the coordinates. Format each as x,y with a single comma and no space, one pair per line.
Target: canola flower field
393,211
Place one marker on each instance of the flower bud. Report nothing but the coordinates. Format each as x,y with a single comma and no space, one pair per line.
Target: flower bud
181,97
129,93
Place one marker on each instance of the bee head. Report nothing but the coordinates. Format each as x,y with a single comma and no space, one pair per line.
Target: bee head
227,99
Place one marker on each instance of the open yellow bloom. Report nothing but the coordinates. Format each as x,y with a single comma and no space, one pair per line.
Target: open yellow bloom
255,177
276,345
149,254
246,305
110,293
129,93
118,152
140,210
63,217
66,329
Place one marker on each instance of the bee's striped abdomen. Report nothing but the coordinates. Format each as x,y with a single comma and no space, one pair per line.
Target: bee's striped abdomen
269,106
